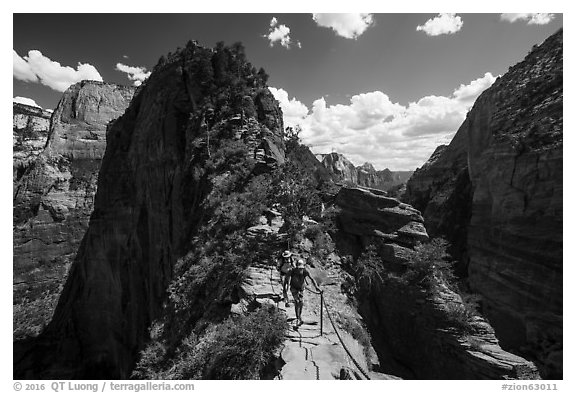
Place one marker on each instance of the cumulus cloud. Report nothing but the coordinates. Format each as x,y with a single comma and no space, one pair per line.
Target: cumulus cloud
21,69
442,24
467,94
135,74
533,19
37,67
349,26
281,34
371,127
25,101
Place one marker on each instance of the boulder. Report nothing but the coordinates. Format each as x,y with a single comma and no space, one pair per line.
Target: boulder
370,213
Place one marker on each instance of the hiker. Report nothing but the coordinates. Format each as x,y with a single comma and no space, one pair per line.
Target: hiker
286,265
297,282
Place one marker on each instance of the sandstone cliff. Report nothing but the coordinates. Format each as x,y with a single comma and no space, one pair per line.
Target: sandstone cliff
364,175
29,134
501,181
202,122
340,167
54,189
415,331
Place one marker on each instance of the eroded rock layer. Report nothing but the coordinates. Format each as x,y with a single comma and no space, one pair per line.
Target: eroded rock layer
501,180
515,233
54,194
29,134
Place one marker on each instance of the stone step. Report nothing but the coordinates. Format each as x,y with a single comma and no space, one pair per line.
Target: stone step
309,370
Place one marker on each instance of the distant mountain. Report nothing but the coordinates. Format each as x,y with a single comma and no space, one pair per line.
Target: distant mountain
364,175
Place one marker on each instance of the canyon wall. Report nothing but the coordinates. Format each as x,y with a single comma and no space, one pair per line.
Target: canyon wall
53,192
501,180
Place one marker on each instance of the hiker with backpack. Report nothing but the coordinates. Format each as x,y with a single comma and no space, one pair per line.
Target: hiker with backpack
286,265
297,281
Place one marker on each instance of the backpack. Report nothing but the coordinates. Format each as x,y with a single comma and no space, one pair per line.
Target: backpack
285,267
297,280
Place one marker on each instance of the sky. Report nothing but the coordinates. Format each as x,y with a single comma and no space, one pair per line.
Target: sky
379,88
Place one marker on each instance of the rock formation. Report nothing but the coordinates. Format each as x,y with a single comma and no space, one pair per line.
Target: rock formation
29,134
199,106
340,167
501,180
364,175
408,326
369,213
54,189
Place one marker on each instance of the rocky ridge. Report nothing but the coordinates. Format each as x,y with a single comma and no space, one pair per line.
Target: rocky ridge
500,181
162,161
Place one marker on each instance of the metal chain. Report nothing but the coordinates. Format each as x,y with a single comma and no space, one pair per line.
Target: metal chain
344,345
339,337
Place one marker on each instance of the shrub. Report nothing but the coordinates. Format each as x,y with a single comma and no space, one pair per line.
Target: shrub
31,316
322,244
238,348
430,266
458,315
369,267
429,269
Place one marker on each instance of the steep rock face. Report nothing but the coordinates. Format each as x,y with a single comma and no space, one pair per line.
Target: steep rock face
29,134
340,167
441,189
408,327
501,179
515,233
413,340
148,202
54,192
78,130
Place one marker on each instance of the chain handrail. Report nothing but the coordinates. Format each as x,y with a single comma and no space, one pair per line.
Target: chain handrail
322,302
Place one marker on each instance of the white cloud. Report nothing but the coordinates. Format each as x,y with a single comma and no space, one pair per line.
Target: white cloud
136,74
373,128
442,24
21,69
37,67
281,34
349,26
533,19
467,93
25,101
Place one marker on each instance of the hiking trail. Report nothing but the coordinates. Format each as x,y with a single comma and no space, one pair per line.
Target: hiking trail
306,353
